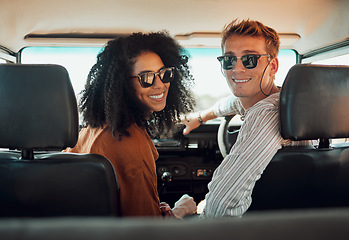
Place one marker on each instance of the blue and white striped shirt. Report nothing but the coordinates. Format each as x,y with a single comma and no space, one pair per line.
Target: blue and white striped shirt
259,139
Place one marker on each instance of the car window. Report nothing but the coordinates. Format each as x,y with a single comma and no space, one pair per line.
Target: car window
210,85
339,60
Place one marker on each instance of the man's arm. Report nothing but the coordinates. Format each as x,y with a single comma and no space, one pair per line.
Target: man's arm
224,107
192,120
232,183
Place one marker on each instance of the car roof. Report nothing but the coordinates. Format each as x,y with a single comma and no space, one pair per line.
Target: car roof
303,25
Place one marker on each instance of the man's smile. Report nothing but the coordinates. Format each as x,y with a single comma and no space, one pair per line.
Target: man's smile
241,80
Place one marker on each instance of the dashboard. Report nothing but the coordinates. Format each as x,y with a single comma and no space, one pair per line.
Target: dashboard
186,163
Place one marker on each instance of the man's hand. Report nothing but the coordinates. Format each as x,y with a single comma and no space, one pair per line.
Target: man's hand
185,206
191,122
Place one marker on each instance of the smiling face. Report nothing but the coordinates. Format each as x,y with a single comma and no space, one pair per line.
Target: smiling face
247,83
153,97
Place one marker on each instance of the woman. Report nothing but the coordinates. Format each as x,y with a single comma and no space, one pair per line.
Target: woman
138,87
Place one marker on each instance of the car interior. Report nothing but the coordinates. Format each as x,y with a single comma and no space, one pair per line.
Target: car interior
46,50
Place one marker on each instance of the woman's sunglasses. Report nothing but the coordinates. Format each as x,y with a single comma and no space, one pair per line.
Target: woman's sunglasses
147,79
249,61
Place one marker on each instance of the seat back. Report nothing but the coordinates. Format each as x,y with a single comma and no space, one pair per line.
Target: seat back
314,105
38,119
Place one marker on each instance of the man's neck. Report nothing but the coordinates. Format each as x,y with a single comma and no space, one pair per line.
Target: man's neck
248,102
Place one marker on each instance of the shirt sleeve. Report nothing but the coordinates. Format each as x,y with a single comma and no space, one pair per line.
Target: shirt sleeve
228,106
232,183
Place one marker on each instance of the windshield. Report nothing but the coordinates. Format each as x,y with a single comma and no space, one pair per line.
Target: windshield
210,84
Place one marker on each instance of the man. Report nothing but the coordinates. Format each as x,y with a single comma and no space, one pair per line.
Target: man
249,63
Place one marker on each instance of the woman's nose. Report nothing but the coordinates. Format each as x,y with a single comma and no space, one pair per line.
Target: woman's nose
157,82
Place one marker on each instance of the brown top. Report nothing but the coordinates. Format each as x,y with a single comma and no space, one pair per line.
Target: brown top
133,159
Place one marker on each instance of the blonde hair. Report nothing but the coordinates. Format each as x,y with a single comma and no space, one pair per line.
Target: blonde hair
253,29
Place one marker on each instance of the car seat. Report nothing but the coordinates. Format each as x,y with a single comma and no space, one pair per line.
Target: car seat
39,118
314,105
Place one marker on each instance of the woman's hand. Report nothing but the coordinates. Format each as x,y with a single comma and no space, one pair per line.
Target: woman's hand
166,210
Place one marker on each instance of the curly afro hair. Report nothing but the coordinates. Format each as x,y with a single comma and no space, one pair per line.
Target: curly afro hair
109,98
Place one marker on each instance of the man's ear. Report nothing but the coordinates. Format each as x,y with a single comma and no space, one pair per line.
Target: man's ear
274,66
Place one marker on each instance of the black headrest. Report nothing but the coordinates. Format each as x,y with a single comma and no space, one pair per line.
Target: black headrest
314,102
38,107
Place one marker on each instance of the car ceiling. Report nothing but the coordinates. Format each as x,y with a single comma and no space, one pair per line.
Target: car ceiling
303,25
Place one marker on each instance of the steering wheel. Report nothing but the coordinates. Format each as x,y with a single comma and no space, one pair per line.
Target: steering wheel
226,138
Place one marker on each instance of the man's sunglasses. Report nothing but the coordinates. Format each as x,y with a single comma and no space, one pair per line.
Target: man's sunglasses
249,61
147,79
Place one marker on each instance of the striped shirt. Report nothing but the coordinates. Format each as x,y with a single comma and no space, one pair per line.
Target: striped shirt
259,139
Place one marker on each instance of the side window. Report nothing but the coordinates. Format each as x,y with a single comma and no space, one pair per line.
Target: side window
339,60
6,55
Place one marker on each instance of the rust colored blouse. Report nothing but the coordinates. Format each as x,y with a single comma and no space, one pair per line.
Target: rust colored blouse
133,159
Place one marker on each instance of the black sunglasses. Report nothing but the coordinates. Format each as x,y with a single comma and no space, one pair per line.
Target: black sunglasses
147,79
249,61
